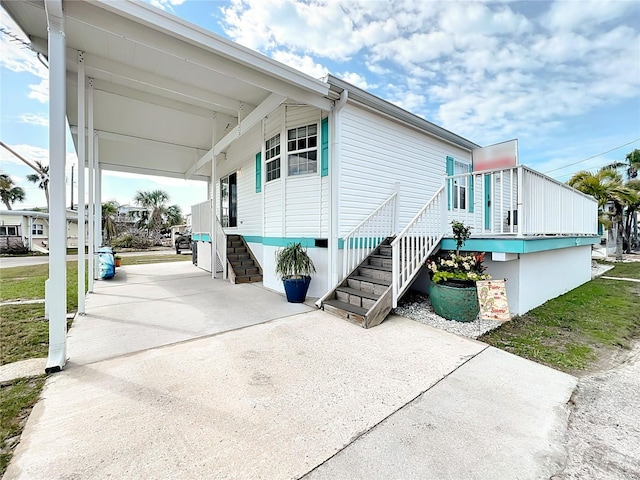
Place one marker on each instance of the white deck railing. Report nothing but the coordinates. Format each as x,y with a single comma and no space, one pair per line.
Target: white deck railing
412,246
367,235
518,201
221,249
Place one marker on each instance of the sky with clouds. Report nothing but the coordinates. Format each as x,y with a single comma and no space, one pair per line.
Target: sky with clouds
563,77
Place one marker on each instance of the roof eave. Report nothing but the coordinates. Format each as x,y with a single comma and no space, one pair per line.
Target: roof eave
365,98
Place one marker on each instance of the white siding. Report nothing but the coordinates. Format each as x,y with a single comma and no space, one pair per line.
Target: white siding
325,205
273,208
240,158
303,193
376,154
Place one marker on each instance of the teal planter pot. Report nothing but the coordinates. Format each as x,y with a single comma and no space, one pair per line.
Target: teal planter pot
455,303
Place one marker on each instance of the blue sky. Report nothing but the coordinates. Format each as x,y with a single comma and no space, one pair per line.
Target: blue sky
562,77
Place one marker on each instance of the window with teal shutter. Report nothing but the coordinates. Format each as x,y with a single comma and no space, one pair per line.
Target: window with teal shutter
324,147
449,182
258,172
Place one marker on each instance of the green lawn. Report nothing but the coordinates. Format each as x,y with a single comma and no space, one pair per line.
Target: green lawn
16,401
624,270
574,331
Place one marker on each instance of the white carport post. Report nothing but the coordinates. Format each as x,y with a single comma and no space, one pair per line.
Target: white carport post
90,179
56,297
81,161
98,201
214,217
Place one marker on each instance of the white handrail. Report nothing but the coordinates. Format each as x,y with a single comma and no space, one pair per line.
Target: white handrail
221,247
412,247
368,234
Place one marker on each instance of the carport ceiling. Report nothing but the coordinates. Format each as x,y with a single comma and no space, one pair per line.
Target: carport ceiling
163,88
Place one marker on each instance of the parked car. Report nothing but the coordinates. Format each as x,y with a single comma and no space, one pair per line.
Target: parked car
183,241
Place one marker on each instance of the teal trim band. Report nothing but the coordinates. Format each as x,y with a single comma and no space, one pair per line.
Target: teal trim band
324,147
258,172
519,245
201,237
280,241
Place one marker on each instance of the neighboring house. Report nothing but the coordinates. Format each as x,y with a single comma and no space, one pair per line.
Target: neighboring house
31,228
127,218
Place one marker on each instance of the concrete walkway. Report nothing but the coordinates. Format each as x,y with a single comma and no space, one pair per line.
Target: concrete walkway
299,394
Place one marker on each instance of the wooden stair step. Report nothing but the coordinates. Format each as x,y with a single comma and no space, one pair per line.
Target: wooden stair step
378,281
359,293
347,307
376,267
248,278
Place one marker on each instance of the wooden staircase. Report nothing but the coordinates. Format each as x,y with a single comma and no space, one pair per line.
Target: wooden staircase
365,296
243,267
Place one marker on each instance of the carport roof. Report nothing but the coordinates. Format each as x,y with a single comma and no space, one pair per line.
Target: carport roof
164,89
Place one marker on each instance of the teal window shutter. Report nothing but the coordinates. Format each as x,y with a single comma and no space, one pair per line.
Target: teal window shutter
471,189
258,172
324,147
449,182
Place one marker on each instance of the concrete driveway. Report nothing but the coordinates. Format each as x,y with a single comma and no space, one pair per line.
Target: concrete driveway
174,375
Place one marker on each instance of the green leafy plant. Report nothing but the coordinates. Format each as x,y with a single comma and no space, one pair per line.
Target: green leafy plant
293,261
461,268
460,233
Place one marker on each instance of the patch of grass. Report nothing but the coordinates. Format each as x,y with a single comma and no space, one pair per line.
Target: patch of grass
26,283
573,331
24,333
624,270
16,401
145,259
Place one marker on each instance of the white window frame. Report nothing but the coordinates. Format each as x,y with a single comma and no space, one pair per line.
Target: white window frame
273,156
5,230
460,186
298,146
35,227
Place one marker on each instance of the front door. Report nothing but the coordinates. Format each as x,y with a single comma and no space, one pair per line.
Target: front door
229,201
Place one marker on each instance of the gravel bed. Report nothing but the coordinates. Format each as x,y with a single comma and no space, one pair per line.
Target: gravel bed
418,307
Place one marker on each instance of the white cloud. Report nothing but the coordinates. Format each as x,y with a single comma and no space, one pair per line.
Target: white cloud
304,63
486,70
355,79
34,119
166,4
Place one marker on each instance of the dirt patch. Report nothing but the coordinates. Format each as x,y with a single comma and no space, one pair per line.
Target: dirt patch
603,436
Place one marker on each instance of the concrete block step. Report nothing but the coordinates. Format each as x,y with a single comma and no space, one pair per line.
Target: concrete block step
235,257
235,243
236,250
248,278
378,281
242,262
359,293
380,260
246,271
346,307
377,267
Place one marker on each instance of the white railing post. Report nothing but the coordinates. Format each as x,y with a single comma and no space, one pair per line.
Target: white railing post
520,195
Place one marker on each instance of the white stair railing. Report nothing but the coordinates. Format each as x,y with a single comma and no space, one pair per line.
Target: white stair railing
367,235
412,247
221,248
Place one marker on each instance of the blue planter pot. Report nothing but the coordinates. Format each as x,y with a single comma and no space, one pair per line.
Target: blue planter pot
455,303
296,288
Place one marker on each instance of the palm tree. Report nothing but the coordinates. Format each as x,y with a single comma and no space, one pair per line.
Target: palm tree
9,193
41,178
633,160
155,204
607,187
174,216
109,213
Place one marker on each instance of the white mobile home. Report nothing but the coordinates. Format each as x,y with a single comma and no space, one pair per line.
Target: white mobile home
287,158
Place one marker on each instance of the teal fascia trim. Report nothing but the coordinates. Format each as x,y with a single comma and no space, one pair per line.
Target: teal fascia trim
518,245
201,237
280,241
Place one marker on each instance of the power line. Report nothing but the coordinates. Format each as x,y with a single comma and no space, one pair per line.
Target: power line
580,161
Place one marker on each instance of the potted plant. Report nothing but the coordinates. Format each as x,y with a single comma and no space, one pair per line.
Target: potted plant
295,267
117,260
453,291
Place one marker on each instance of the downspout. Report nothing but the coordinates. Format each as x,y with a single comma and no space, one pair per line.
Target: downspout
56,287
334,188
